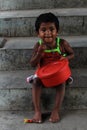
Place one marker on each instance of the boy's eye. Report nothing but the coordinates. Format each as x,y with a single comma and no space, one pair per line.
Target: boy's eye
51,29
43,29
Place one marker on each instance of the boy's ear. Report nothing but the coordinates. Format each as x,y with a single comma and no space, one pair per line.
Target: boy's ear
38,35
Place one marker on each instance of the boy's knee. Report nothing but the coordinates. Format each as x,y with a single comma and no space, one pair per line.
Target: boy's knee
37,82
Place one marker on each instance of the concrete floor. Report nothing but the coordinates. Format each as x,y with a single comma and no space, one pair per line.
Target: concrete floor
70,120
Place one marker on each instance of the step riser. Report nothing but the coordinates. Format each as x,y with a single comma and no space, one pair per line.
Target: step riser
80,59
75,98
36,4
11,59
16,27
17,79
16,94
15,59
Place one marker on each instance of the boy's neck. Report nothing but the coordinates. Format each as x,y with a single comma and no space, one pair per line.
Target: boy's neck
51,45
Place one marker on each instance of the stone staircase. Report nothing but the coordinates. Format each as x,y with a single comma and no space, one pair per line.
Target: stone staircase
17,38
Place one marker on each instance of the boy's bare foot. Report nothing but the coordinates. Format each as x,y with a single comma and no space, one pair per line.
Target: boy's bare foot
54,116
37,117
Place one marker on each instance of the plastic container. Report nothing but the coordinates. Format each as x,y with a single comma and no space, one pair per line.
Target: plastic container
54,73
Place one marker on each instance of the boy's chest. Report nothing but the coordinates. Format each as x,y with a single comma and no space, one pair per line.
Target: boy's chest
51,55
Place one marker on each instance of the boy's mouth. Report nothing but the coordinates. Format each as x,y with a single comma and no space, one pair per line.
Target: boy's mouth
48,37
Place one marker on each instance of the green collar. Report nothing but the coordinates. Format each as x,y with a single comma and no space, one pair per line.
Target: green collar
53,50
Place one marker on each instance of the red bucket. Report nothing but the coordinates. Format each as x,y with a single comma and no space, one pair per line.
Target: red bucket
54,73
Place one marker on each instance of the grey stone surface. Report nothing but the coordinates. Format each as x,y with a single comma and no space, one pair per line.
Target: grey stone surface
19,59
15,59
21,99
17,52
17,79
29,42
16,93
35,4
2,42
70,120
21,23
22,42
35,13
15,99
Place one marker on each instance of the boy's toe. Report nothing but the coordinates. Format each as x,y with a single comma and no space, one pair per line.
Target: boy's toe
37,121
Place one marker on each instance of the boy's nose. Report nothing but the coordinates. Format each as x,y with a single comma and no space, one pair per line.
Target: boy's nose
48,32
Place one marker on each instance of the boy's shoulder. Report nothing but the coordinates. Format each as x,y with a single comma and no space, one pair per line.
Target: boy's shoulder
36,44
63,41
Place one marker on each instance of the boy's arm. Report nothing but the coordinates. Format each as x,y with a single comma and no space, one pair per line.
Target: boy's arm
68,49
37,54
35,58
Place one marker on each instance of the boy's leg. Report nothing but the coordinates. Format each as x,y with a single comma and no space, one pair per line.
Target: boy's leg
60,92
36,93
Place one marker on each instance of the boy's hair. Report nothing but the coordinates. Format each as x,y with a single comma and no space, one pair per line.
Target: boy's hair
45,18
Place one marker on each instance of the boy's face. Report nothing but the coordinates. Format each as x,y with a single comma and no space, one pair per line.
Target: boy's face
48,32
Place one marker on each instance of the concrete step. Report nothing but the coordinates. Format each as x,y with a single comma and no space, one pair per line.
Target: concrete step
16,52
21,22
15,93
70,120
38,4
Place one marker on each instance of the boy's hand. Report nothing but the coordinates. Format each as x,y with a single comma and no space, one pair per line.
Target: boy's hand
62,58
41,49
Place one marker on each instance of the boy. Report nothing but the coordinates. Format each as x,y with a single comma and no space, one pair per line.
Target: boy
47,27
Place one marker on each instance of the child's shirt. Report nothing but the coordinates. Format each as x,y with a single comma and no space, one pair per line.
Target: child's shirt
51,55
